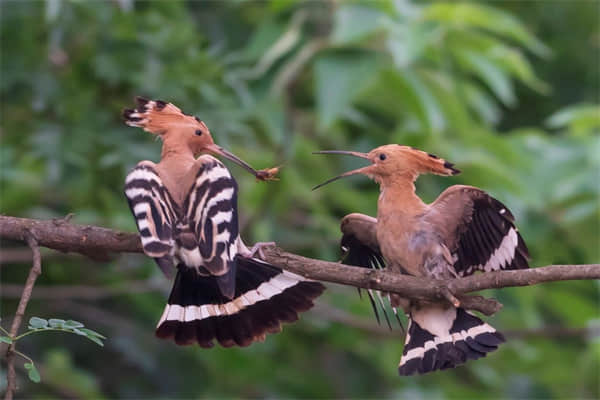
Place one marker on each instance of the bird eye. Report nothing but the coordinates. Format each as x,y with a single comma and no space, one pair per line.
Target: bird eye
382,156
199,132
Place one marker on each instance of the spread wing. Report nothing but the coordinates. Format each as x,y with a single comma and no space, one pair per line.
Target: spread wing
154,211
479,231
210,239
361,249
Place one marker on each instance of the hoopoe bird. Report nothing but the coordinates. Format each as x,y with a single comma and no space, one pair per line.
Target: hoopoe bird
464,230
186,212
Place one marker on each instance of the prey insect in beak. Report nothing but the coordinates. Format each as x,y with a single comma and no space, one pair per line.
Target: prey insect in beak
213,148
345,174
260,175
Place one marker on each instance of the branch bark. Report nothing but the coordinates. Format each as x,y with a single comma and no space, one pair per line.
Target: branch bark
59,234
36,270
100,242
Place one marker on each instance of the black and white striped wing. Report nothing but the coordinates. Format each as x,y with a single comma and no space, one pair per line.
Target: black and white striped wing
211,213
154,211
485,236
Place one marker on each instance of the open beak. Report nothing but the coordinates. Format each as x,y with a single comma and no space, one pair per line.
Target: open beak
218,150
362,170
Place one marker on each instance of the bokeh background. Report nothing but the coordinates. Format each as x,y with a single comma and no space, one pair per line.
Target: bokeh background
509,91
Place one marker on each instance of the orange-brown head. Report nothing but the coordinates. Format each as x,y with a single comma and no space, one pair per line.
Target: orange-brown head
178,129
393,161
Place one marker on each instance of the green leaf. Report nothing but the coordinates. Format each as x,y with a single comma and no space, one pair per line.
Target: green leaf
354,22
33,374
339,78
56,323
495,78
6,339
484,104
90,332
78,331
95,340
514,61
462,15
73,324
37,323
580,119
412,92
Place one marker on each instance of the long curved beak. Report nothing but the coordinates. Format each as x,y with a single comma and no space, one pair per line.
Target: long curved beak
362,170
218,150
344,152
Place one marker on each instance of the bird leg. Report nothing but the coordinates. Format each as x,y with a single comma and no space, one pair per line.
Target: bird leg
448,295
257,248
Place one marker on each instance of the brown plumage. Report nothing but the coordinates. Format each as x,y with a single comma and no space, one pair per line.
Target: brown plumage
186,212
462,231
184,138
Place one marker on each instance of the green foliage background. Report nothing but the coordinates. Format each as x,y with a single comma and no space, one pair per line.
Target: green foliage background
509,91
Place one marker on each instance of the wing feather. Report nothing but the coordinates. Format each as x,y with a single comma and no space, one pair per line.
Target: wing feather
361,249
155,212
479,230
212,218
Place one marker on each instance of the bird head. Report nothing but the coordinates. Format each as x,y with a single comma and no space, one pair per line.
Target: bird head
391,161
170,124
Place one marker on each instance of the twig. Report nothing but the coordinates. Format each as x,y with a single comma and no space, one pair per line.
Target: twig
36,270
95,241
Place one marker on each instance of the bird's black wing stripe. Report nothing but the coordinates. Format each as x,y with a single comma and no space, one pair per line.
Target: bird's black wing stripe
357,254
489,240
155,213
211,214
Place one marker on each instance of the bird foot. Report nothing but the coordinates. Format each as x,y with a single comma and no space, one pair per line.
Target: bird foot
257,248
448,295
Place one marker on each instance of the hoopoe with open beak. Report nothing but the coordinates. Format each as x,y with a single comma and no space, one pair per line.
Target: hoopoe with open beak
464,230
186,212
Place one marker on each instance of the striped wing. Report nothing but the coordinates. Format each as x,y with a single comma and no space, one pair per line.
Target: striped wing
210,238
154,211
482,235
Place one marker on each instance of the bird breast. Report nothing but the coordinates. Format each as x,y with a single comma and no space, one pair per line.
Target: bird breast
412,246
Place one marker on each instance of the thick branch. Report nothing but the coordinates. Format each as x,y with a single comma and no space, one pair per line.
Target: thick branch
59,234
36,270
94,241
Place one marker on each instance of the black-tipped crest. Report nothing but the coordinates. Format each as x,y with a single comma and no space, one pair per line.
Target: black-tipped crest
450,166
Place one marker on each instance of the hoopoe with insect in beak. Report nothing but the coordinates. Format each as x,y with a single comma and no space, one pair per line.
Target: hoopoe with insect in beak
186,212
464,230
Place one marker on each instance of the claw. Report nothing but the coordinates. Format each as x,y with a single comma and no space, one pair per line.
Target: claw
257,248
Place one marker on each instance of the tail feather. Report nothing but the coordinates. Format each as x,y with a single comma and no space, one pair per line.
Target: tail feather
440,338
265,296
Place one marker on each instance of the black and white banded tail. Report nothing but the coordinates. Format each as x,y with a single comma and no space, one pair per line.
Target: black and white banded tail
443,337
265,296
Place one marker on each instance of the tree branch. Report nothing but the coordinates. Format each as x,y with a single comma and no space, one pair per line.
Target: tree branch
424,288
100,242
58,234
36,270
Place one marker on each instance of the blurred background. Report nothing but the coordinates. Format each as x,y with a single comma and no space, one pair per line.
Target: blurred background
509,91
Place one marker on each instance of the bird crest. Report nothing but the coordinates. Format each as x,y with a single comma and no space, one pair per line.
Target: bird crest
158,117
